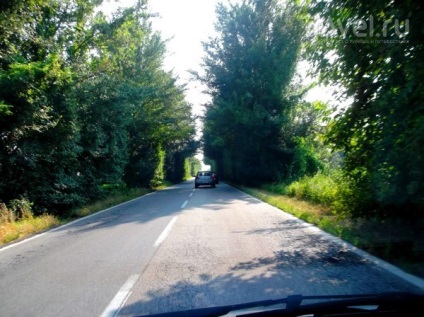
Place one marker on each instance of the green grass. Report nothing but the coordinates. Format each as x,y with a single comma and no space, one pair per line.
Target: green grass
23,228
400,242
163,184
20,229
113,199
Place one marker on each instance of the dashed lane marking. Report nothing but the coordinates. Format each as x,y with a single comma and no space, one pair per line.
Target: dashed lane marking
120,298
165,232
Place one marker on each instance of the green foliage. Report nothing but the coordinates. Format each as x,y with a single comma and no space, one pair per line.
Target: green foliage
308,129
22,228
159,174
248,70
115,195
333,190
381,132
18,209
194,166
187,168
84,102
318,188
22,208
277,188
305,159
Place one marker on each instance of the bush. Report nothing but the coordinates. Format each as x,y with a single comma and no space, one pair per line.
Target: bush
319,188
22,208
277,188
333,191
19,209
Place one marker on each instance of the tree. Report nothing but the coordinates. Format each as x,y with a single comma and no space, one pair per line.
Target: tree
84,102
375,50
248,69
195,166
38,143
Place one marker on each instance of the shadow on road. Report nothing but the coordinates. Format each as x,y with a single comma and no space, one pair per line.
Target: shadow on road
163,203
289,271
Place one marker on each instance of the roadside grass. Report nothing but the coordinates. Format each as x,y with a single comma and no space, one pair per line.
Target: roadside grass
17,229
399,242
163,184
20,229
112,199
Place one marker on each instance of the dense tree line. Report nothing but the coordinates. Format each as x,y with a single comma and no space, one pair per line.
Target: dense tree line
257,129
252,126
378,53
194,165
84,102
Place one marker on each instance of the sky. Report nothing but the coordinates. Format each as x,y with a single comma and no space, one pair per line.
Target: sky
186,23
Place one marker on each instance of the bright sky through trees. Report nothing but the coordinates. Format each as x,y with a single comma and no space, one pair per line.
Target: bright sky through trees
114,98
186,23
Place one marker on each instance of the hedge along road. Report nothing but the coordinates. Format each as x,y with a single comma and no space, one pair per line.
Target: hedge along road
182,248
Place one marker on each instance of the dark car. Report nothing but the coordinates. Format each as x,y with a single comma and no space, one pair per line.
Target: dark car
204,178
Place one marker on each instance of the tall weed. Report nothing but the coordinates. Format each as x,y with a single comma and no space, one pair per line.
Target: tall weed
332,190
22,208
6,214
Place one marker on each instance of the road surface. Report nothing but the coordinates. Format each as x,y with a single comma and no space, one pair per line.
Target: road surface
182,248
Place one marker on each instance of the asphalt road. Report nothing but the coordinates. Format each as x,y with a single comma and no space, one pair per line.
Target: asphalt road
183,248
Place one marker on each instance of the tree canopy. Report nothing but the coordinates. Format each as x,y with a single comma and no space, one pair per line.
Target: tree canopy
249,67
375,51
84,102
257,129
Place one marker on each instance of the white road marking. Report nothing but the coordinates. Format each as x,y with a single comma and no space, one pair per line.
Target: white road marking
120,298
377,261
14,244
184,204
190,195
71,223
165,232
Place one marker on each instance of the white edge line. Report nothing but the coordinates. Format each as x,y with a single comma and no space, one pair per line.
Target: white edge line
120,298
184,204
14,244
70,223
415,280
165,232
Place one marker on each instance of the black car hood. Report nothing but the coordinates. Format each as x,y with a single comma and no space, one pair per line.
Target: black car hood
383,304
